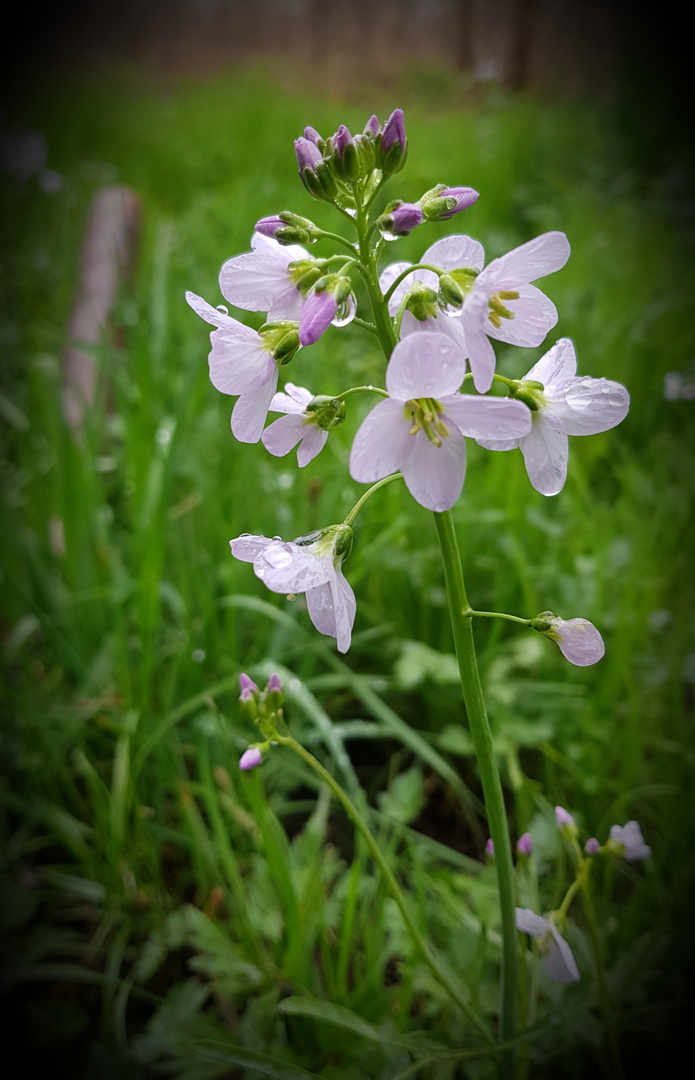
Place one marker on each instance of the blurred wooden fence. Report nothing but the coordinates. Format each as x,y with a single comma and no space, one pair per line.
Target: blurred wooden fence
542,44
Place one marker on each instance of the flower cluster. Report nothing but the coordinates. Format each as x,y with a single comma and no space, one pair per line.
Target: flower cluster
437,321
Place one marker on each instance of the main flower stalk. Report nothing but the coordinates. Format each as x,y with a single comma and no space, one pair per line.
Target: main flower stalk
460,613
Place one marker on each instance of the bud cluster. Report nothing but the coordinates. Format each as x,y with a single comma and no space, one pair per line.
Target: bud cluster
264,708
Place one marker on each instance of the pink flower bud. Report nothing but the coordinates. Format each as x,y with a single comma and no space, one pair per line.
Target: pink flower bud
394,132
490,849
274,682
308,155
524,845
562,818
317,315
250,758
246,687
592,846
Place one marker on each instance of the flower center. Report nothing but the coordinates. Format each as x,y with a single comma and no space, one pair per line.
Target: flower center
423,414
497,310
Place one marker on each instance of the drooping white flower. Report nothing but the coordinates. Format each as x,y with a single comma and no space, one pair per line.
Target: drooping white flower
566,405
632,841
420,427
578,639
241,362
310,564
260,280
503,304
297,426
556,956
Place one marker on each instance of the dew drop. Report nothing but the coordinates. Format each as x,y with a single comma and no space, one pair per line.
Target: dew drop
224,310
346,312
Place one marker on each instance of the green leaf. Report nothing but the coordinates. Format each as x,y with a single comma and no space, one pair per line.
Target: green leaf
252,1059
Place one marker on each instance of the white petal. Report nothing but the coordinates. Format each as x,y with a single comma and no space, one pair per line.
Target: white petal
499,444
556,366
579,641
256,280
425,365
534,315
496,418
591,405
543,255
437,324
247,546
288,568
558,960
452,252
332,608
283,253
283,434
250,412
238,361
529,923
319,602
545,451
313,442
206,311
434,475
382,443
387,278
481,355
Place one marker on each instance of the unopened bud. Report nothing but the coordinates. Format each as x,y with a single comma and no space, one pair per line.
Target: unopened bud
250,758
393,147
592,846
329,411
399,219
443,202
565,821
422,302
524,845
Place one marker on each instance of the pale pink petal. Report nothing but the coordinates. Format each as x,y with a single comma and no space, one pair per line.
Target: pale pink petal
287,304
481,356
543,255
247,547
499,444
545,451
319,603
284,567
557,365
313,442
591,405
282,435
238,360
387,278
332,607
434,475
260,281
345,606
425,365
294,399
454,252
250,412
529,923
437,324
558,960
579,641
209,313
382,443
534,315
283,253
495,418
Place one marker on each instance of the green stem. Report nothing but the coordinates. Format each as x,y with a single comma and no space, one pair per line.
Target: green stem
460,612
390,878
498,615
606,1009
401,277
384,324
368,494
360,389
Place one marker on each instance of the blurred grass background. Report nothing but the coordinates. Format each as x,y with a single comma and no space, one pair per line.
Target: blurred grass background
152,899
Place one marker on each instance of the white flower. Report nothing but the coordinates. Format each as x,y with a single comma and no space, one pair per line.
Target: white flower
502,303
578,639
241,362
297,426
420,427
556,956
448,253
310,564
566,405
630,837
260,279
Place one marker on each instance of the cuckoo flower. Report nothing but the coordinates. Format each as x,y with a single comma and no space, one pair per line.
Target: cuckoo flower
299,425
578,639
245,362
556,956
261,279
310,564
629,838
449,253
420,428
503,304
563,404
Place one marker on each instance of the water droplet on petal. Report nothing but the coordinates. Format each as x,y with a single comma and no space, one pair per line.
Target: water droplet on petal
223,309
346,312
